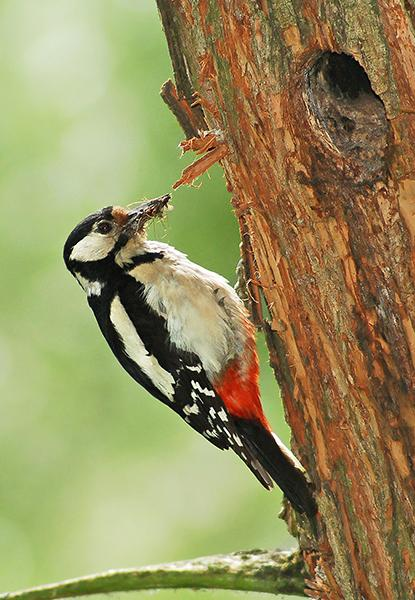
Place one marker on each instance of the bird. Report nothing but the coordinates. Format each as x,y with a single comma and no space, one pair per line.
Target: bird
181,332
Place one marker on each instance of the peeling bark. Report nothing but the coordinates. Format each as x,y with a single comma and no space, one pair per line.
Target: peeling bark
316,104
213,151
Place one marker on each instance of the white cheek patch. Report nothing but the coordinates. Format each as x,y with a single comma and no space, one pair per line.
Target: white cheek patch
94,246
136,350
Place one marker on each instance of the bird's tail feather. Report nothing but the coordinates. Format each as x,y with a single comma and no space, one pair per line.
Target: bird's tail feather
272,460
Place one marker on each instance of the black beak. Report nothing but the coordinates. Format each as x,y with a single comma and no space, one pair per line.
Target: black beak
138,217
151,209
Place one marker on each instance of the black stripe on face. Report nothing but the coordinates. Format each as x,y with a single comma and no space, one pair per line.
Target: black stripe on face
104,270
141,259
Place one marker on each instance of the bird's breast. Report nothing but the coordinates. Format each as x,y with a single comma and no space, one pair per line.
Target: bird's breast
198,319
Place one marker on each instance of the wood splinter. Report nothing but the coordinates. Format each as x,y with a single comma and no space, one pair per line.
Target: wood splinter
190,117
207,143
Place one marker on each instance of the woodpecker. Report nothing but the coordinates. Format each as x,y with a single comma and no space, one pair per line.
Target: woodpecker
182,333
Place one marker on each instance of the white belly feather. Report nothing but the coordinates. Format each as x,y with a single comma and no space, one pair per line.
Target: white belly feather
203,314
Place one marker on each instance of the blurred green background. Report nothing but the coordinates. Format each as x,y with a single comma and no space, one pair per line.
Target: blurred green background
95,473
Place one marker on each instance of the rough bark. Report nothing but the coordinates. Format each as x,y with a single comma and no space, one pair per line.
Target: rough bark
315,102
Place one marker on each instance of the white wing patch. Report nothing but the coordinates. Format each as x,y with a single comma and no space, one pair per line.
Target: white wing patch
222,415
210,434
92,288
206,391
197,368
190,409
136,350
94,246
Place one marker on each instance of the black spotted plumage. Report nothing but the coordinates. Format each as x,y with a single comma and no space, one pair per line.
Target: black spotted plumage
139,338
185,368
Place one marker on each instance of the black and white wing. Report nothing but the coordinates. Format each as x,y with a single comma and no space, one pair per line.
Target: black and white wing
140,341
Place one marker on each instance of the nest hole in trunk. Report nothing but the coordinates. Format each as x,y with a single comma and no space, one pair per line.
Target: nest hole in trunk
349,116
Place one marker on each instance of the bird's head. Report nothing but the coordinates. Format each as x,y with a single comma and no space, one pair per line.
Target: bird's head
94,247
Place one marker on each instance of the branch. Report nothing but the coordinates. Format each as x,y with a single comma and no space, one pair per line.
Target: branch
272,572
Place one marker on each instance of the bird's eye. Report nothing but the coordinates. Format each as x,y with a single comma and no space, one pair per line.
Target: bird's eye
104,227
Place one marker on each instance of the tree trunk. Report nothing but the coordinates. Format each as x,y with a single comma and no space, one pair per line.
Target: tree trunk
315,102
